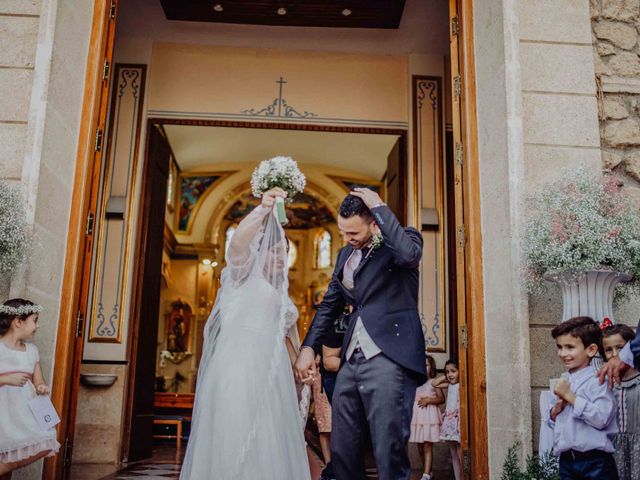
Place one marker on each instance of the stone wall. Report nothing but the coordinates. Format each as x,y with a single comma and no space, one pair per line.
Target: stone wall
18,35
560,133
44,46
616,43
19,21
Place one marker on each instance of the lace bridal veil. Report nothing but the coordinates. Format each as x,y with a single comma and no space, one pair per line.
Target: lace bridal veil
246,420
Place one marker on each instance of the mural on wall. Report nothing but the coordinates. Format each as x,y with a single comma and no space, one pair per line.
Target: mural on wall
304,212
279,108
111,267
192,189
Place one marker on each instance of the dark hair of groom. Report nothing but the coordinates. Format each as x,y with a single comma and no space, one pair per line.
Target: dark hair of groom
352,206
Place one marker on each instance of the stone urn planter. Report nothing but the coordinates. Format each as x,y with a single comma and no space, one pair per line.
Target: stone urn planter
589,293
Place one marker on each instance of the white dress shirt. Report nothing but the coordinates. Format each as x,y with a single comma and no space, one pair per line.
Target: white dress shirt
360,337
590,424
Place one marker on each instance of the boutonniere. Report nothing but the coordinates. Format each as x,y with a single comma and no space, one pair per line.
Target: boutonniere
377,241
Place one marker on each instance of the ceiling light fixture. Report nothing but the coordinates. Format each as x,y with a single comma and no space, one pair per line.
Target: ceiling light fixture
346,12
218,8
282,11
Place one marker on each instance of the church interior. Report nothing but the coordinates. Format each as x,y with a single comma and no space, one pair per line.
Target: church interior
200,93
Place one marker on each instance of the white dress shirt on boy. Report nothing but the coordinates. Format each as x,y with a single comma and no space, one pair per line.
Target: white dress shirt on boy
590,424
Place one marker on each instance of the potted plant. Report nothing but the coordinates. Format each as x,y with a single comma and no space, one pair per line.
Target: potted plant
582,234
537,467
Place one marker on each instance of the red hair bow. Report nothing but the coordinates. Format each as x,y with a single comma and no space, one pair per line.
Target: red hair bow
606,323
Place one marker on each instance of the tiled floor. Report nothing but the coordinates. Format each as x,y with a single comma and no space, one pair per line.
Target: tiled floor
166,461
149,471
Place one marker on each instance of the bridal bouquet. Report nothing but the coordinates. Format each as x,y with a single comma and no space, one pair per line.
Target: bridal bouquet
280,172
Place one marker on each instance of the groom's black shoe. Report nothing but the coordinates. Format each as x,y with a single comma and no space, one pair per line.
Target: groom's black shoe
327,473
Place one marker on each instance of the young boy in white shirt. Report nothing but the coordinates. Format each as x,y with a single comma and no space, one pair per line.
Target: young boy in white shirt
583,416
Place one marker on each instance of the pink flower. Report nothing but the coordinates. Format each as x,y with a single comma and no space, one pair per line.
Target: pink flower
614,232
558,229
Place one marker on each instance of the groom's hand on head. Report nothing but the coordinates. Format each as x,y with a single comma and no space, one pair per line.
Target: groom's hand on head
369,197
305,367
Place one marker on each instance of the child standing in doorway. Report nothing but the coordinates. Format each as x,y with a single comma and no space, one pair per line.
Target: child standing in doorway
627,441
583,415
450,428
21,440
425,424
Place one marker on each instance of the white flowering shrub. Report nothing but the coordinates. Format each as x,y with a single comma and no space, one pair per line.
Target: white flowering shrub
280,172
582,223
14,233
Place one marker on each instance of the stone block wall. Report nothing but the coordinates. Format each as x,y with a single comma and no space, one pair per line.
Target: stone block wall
560,133
615,26
616,42
19,21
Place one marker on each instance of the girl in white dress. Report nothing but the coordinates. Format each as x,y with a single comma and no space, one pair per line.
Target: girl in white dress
21,440
450,428
246,421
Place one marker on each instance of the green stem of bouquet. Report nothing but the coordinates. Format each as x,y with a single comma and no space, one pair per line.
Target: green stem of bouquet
280,210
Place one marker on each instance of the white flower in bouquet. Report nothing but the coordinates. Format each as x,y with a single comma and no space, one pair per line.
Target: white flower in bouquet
280,172
582,223
15,239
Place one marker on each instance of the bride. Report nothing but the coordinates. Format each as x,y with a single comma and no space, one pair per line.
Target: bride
246,420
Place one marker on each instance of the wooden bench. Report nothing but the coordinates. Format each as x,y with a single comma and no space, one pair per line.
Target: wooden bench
172,409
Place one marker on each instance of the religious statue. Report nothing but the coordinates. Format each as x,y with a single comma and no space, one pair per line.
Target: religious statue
178,326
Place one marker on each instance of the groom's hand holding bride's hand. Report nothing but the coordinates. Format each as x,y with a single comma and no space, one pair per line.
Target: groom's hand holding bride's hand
269,197
305,367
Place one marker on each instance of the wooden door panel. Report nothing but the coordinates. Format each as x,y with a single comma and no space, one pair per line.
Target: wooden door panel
80,242
143,352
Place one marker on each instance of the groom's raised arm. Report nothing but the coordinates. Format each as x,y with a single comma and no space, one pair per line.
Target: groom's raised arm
331,307
405,243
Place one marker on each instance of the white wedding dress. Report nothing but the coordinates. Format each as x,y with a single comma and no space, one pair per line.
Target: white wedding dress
246,422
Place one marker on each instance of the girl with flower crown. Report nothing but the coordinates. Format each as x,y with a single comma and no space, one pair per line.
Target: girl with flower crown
21,440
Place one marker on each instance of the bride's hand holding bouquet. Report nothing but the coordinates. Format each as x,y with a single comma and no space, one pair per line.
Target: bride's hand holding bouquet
278,174
270,197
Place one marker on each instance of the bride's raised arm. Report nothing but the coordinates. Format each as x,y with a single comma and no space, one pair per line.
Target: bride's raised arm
239,252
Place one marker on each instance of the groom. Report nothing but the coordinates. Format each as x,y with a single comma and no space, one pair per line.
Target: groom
383,357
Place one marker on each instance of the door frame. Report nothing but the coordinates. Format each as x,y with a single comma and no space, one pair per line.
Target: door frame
80,233
75,287
469,271
144,206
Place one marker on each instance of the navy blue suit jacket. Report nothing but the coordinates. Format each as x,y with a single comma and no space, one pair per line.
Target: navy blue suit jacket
635,348
385,296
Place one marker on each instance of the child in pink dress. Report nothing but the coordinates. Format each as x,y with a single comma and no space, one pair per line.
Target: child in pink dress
450,428
425,424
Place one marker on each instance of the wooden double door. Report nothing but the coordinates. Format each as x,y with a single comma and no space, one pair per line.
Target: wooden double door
145,304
